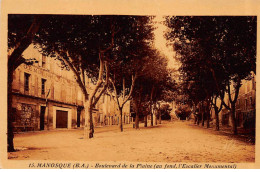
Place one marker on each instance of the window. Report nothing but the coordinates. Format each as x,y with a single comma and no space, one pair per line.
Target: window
43,61
26,81
43,86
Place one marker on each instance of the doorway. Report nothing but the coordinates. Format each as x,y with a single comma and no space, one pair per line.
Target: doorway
42,114
61,119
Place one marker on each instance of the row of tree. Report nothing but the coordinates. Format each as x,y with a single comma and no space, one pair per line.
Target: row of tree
116,52
216,53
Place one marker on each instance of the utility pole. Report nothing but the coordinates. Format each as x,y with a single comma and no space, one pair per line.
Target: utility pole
47,109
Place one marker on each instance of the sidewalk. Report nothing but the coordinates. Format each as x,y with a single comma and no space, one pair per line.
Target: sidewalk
247,136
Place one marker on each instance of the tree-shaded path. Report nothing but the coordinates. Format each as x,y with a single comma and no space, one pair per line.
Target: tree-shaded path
170,142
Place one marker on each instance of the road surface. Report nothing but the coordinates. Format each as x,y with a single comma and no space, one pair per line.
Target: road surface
169,142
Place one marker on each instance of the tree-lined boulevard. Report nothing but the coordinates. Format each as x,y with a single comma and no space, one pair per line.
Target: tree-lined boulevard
115,52
118,55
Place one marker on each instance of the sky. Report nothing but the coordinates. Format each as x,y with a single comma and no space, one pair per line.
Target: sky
160,42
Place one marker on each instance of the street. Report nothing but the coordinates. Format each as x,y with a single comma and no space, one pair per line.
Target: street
169,142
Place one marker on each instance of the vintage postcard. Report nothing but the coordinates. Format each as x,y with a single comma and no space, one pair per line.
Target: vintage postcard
129,84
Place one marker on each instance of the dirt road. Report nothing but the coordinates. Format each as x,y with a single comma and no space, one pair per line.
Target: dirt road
169,142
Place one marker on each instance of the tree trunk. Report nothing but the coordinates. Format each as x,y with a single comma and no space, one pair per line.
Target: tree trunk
145,121
160,118
151,105
156,115
203,114
137,121
208,119
89,127
136,104
91,124
208,112
86,111
233,118
121,119
151,119
217,119
198,119
10,134
195,119
216,110
151,111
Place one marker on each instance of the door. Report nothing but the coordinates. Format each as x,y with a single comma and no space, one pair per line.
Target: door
78,117
42,113
61,119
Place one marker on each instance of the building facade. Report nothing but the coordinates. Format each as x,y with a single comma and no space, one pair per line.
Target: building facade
47,96
245,106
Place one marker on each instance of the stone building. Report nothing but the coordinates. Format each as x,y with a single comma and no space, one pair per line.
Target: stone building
45,96
245,106
107,113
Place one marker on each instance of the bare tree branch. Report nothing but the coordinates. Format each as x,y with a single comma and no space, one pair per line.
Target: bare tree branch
131,89
100,80
113,84
78,77
105,85
112,39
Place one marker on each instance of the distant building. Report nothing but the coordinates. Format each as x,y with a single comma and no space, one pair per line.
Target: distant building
45,96
245,106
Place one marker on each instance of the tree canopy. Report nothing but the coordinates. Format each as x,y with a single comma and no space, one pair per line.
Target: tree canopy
216,53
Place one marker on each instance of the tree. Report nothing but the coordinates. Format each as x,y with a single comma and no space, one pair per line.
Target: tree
85,45
153,83
82,44
111,38
197,84
126,60
21,32
124,96
226,46
216,109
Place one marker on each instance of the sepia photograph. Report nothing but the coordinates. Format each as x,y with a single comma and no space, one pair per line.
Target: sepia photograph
140,91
